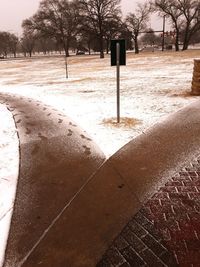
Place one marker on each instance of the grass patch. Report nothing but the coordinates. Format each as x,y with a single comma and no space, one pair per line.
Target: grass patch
125,122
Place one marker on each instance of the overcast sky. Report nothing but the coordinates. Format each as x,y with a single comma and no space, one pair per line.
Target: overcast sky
12,12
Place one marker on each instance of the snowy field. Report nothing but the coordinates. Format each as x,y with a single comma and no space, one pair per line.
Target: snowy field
153,85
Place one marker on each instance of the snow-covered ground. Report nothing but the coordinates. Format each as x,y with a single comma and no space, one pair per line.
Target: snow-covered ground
153,85
9,163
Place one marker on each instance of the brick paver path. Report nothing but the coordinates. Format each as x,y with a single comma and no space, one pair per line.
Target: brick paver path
166,231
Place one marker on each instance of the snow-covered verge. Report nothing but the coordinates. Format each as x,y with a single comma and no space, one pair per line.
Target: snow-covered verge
9,163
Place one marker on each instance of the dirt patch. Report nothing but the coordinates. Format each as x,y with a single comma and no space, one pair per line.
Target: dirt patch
86,91
125,122
183,94
85,79
51,83
176,93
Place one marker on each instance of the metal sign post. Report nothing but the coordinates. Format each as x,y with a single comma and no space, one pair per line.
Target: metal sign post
66,69
118,80
118,57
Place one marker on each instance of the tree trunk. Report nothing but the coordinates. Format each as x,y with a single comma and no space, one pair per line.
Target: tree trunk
186,41
89,47
66,68
66,51
66,47
177,40
136,45
185,45
186,38
101,47
107,46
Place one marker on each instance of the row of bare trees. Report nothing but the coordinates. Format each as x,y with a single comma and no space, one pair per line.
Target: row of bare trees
82,20
8,43
90,24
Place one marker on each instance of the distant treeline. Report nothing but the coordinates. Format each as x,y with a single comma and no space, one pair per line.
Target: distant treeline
89,25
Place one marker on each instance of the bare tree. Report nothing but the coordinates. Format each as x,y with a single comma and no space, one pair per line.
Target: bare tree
168,8
4,43
97,15
58,19
191,14
13,42
184,15
137,22
28,43
29,37
8,43
112,31
126,34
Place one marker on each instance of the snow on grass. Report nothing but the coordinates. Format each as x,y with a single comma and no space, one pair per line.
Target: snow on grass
153,85
9,163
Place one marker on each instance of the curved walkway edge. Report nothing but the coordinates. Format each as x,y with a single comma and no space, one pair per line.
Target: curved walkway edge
118,190
56,160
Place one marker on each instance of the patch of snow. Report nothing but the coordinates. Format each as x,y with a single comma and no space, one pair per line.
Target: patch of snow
9,163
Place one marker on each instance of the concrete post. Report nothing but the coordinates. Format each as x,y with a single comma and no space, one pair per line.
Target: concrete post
196,78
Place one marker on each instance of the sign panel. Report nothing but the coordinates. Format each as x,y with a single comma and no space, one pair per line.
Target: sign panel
113,49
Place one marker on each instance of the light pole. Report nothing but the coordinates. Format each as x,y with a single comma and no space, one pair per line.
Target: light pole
163,37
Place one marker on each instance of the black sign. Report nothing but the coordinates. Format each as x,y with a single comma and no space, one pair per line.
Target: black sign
113,46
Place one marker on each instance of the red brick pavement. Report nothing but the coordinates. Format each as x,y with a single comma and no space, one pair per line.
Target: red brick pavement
166,231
